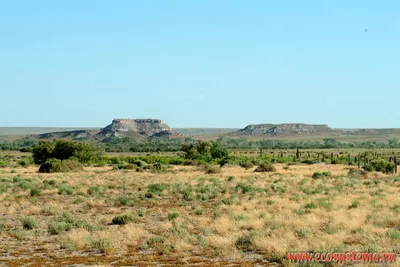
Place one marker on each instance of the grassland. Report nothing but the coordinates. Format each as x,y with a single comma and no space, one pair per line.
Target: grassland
183,217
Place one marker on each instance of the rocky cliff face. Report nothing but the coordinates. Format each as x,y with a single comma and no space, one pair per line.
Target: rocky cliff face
287,129
143,127
138,128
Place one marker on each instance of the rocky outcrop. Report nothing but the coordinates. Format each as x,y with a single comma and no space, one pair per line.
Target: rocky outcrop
78,134
138,128
143,127
286,129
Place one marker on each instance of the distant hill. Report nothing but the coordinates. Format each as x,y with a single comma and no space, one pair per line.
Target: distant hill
286,129
138,128
155,128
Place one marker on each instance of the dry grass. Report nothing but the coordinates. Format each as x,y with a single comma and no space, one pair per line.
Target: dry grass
185,213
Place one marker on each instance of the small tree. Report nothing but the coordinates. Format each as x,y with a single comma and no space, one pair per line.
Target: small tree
66,149
203,150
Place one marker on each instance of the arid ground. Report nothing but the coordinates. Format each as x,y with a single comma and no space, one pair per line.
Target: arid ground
184,217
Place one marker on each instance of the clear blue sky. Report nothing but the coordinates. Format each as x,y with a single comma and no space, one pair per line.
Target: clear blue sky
203,63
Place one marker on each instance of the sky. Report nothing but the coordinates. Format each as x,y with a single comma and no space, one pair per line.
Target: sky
200,63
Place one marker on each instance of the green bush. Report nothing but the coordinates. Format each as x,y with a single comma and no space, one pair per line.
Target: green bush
157,167
247,164
265,167
65,189
244,243
104,246
25,162
380,165
124,219
124,166
204,151
55,165
335,161
4,164
55,228
83,152
173,215
35,192
29,222
319,175
67,221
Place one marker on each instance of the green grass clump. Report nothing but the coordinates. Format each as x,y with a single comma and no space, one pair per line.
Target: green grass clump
96,190
67,221
244,243
35,192
173,215
55,228
65,189
393,233
29,222
354,204
155,189
105,246
198,211
124,219
319,175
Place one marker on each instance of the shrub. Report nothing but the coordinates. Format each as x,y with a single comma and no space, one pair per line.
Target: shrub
158,167
173,215
25,162
67,221
29,222
56,165
354,204
104,246
55,228
65,149
244,243
124,200
326,174
210,169
124,166
335,161
265,167
124,219
35,192
204,150
65,189
198,211
319,175
247,164
380,165
4,164
140,163
95,190
393,233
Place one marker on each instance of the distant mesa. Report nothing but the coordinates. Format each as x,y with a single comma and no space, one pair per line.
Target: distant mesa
138,128
285,129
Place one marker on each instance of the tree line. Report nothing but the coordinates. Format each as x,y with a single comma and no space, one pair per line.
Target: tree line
128,144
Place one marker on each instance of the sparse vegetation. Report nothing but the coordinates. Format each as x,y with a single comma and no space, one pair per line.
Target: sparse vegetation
185,211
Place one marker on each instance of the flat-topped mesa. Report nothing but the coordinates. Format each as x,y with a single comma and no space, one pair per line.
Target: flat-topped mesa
143,127
285,129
